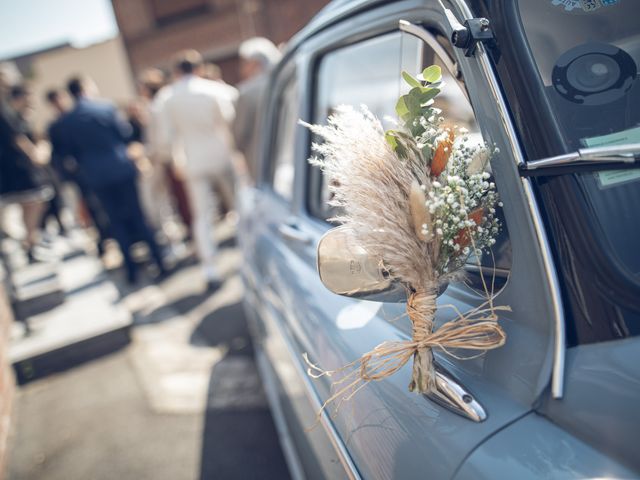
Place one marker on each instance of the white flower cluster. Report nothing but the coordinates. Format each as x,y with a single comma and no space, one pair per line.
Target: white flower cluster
430,132
462,205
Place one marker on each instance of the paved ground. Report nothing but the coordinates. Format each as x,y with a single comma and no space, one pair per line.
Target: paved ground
182,401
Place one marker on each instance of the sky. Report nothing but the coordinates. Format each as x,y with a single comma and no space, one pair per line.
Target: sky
28,25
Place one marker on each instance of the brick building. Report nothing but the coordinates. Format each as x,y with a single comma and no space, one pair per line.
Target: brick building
154,30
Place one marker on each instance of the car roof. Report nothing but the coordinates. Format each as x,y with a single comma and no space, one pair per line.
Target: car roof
331,14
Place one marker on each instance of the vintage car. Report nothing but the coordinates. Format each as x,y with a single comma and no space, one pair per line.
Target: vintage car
554,85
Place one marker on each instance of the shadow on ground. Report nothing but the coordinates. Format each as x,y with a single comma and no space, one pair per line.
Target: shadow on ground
224,327
239,437
181,306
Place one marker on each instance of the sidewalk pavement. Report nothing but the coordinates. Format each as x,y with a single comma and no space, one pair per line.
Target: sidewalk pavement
182,400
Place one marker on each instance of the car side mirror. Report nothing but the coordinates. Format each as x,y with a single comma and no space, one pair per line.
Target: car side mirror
346,268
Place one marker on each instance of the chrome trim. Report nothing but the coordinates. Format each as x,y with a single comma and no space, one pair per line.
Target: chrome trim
347,269
485,66
626,152
617,153
341,450
552,161
557,377
455,397
291,232
430,40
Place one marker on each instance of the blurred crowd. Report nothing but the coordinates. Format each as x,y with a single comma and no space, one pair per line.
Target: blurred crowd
161,171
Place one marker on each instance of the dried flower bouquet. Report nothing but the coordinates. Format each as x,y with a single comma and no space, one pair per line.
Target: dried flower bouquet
417,198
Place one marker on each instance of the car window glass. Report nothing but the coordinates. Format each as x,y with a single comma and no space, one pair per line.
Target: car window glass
283,146
365,73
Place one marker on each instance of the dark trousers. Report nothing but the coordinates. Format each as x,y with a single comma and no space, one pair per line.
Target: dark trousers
127,224
96,212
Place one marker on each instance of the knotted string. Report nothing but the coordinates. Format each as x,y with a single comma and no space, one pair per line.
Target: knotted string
477,330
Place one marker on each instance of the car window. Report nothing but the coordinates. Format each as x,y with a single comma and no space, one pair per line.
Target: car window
368,73
282,168
364,73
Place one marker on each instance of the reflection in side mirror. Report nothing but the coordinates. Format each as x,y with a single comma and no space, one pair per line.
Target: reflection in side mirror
347,269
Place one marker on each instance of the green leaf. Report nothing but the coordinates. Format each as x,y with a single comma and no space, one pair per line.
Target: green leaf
428,94
401,107
391,139
432,74
410,79
413,99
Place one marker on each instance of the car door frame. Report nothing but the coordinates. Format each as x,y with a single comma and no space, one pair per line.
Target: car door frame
492,115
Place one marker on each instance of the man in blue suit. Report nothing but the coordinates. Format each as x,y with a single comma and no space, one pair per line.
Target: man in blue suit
95,136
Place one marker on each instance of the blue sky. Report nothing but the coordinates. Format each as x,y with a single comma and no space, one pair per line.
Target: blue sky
27,25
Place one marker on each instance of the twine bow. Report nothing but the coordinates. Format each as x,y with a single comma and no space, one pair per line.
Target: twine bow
477,330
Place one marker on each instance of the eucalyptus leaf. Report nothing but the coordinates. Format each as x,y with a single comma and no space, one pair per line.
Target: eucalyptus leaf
412,101
401,107
410,79
432,74
428,94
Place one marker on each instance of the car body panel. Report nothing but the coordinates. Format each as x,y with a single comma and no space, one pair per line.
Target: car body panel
385,431
600,405
534,448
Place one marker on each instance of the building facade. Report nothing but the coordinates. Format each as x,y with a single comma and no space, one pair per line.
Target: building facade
154,30
105,62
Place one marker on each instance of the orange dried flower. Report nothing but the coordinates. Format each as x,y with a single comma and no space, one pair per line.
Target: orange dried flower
464,238
442,154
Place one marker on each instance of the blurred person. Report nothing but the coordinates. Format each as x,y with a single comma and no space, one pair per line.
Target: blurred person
9,77
56,205
66,168
137,118
95,136
169,191
198,113
212,71
153,183
154,88
21,178
257,57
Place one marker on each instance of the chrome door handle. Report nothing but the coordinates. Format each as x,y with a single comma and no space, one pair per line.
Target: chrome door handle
290,231
452,395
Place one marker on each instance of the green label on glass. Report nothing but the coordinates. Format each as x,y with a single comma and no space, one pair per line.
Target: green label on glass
619,138
615,177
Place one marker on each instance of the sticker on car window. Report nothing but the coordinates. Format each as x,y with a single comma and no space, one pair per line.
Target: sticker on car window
567,4
590,5
611,178
632,135
584,5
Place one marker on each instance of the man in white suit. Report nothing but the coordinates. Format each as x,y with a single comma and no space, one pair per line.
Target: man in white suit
198,113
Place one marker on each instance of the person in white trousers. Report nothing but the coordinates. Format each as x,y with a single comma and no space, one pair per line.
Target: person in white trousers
198,114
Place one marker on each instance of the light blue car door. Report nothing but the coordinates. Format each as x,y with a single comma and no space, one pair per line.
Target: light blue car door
385,431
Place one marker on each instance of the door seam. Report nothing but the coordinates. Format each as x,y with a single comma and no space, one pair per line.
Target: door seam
490,436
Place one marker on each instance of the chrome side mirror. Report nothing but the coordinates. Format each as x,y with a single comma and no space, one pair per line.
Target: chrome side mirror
347,269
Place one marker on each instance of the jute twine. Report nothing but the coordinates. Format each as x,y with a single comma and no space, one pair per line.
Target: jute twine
476,330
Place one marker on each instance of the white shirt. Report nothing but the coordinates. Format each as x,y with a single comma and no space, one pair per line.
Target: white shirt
198,113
